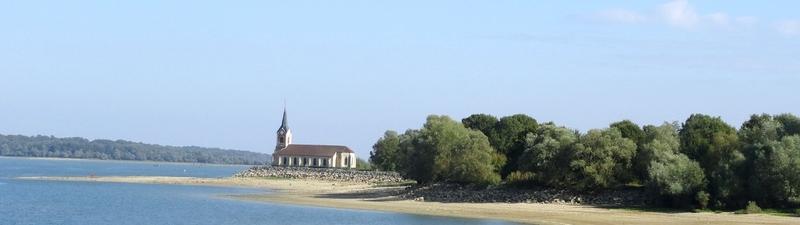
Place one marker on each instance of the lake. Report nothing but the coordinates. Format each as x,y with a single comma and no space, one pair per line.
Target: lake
60,202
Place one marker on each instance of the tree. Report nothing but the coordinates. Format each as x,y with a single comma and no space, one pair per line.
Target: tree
771,166
482,122
790,122
461,154
415,159
602,159
630,130
669,173
675,176
655,139
715,145
384,154
509,139
362,164
445,150
547,154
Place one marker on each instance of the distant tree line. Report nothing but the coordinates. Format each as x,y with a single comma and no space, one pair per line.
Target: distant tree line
48,146
701,163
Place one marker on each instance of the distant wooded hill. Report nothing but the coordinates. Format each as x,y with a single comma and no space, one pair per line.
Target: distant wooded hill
49,146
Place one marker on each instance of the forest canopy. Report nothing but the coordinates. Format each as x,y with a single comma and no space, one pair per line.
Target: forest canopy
700,163
49,146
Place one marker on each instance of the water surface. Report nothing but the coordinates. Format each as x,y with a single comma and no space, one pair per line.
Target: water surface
79,203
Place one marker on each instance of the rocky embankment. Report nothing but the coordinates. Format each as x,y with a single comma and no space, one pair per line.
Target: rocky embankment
454,193
325,174
461,193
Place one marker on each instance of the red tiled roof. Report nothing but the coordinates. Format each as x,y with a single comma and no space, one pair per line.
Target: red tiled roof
313,150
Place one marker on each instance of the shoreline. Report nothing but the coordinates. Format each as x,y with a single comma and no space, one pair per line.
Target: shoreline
359,196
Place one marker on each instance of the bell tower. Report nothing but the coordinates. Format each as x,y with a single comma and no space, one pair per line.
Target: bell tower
284,134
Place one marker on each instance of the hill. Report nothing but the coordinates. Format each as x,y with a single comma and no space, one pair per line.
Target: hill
75,147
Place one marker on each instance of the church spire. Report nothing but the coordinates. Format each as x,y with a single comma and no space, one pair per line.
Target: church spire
285,122
284,134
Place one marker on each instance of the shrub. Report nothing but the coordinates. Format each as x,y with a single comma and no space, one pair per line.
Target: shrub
797,212
521,179
702,199
752,208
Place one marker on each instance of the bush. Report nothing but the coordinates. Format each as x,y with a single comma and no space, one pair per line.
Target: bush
521,179
702,199
752,208
797,212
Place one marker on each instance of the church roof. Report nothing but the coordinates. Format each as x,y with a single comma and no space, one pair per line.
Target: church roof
284,122
313,150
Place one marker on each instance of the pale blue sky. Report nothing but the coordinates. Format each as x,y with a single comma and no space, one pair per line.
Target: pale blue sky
215,73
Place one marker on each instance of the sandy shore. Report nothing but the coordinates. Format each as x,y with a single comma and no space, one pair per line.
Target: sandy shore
366,197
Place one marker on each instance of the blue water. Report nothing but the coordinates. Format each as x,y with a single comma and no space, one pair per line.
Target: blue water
57,202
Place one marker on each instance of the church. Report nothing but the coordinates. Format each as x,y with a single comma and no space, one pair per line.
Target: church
302,155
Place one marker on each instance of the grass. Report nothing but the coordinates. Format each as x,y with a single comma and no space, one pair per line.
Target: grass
782,212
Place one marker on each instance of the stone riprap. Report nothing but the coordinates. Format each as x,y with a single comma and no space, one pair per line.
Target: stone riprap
454,193
325,174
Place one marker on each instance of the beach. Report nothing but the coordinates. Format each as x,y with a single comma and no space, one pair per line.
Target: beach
379,198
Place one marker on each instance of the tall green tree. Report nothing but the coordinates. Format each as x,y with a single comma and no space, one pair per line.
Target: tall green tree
655,138
482,122
715,146
547,154
509,139
445,150
670,175
771,168
415,157
385,152
675,177
630,130
602,159
790,122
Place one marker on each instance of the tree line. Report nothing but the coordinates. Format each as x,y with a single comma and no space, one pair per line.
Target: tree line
701,163
49,146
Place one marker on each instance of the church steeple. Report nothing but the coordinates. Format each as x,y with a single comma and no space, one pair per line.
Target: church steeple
284,123
284,133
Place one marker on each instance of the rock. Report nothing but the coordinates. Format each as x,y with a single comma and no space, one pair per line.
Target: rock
327,174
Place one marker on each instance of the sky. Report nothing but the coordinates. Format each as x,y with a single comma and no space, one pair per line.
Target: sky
217,73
